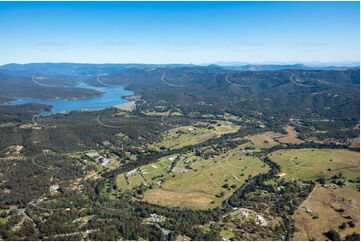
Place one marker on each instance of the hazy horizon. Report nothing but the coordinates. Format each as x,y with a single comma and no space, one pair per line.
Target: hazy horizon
220,63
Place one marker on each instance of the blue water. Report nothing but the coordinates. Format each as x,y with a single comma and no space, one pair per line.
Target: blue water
111,96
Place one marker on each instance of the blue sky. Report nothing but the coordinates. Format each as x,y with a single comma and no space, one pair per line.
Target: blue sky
179,32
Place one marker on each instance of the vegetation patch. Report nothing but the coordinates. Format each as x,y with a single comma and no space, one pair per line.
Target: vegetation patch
200,184
188,180
291,137
148,174
197,133
269,139
311,164
263,141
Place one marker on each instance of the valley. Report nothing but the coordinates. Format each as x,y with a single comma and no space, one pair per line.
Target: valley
201,159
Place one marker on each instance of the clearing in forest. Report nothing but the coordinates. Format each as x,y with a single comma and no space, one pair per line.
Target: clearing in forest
147,174
311,163
194,134
187,180
269,139
200,184
291,136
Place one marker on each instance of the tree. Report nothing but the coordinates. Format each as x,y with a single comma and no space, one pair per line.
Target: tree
333,235
225,185
353,237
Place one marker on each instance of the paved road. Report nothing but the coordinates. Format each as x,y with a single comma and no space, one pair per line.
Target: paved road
163,79
235,84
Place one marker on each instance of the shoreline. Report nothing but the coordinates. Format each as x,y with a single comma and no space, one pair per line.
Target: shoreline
128,106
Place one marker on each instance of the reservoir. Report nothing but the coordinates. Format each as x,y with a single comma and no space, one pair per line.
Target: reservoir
112,96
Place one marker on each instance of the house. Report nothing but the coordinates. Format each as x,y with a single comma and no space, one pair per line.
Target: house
261,220
130,172
54,188
248,151
92,154
280,188
156,218
103,161
172,158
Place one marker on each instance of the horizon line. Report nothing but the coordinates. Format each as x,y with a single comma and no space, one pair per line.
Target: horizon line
220,63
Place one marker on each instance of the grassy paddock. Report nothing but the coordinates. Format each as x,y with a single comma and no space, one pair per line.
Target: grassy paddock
269,139
151,174
309,164
207,183
193,182
191,135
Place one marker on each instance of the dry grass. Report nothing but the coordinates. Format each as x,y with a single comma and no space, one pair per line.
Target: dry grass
269,139
324,202
129,106
182,238
355,142
291,137
177,198
263,141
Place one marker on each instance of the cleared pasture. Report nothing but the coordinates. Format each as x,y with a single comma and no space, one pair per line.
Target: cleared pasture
269,139
147,174
326,209
203,184
190,181
310,164
191,135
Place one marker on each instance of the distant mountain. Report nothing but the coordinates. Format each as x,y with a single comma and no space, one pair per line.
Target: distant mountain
65,68
284,67
83,69
267,67
75,69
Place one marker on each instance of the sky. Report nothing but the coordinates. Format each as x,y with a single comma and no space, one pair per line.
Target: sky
180,32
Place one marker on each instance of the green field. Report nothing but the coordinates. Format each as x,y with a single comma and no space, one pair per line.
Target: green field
193,182
309,164
198,183
5,219
198,133
150,174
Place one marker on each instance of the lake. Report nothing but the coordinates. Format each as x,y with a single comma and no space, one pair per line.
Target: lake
112,96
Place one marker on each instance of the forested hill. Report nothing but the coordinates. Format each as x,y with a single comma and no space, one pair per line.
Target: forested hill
330,94
282,93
